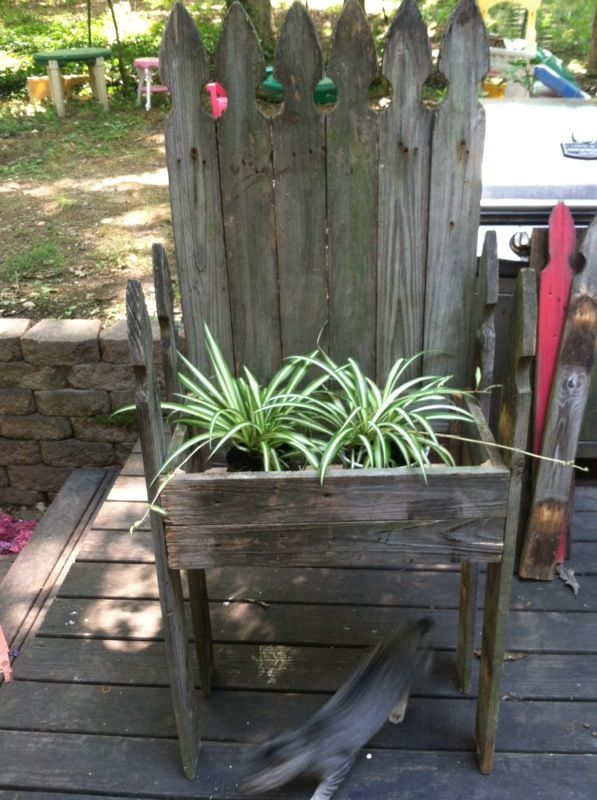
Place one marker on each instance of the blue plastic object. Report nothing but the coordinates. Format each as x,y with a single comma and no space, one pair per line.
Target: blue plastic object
557,83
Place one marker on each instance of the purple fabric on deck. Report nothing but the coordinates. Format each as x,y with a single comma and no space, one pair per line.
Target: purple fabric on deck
14,533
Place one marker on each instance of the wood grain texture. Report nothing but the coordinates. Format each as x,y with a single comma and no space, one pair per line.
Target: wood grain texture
329,625
556,676
352,191
105,761
386,587
300,187
164,300
153,446
32,577
486,297
245,159
404,164
258,500
564,417
441,723
195,194
335,545
513,431
457,152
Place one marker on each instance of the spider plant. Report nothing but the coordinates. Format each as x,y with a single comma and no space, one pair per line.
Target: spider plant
385,426
235,411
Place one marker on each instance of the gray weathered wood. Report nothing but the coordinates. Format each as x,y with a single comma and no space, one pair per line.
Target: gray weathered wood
195,196
513,431
335,545
299,175
352,189
257,500
201,627
398,588
164,300
245,159
331,625
105,761
567,402
31,579
558,676
442,723
404,164
153,446
486,297
455,194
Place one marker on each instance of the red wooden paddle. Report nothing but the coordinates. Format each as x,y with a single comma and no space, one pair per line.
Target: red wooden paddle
554,292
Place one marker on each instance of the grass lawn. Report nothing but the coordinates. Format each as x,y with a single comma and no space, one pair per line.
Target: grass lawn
83,198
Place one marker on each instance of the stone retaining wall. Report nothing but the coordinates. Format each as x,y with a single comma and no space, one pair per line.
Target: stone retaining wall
60,381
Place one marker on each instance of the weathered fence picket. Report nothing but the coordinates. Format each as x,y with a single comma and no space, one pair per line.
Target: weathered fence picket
244,148
300,190
192,159
352,160
455,196
404,159
354,225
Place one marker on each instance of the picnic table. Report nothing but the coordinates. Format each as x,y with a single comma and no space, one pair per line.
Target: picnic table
93,57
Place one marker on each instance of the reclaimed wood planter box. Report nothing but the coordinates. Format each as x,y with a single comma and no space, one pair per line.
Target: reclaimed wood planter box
358,518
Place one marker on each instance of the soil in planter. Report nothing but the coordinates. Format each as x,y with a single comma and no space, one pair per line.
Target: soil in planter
241,461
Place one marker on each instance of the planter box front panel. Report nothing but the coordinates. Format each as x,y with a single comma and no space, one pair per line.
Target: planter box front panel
365,518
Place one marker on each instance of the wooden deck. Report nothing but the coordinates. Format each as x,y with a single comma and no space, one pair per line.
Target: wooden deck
89,713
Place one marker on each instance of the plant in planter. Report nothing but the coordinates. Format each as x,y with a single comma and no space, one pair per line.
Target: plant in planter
238,412
389,426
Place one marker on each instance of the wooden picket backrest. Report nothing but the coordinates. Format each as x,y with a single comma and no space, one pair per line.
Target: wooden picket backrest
353,226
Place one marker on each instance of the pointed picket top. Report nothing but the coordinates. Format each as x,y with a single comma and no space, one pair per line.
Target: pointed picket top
562,233
352,64
464,52
240,66
184,65
298,63
404,157
407,59
138,326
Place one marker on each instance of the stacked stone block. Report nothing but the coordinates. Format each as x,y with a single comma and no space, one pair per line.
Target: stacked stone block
60,381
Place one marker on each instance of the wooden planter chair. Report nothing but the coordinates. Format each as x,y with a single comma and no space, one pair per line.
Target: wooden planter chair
363,224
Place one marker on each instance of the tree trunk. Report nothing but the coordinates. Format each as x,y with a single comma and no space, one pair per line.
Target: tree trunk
593,51
121,67
260,12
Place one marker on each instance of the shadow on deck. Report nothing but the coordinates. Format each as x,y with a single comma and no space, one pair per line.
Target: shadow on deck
89,714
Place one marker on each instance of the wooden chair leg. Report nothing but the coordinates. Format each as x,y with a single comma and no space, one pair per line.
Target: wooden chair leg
178,652
201,627
469,584
493,648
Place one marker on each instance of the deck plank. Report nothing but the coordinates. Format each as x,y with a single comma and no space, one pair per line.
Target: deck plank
298,669
96,679
149,768
329,624
431,723
396,588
